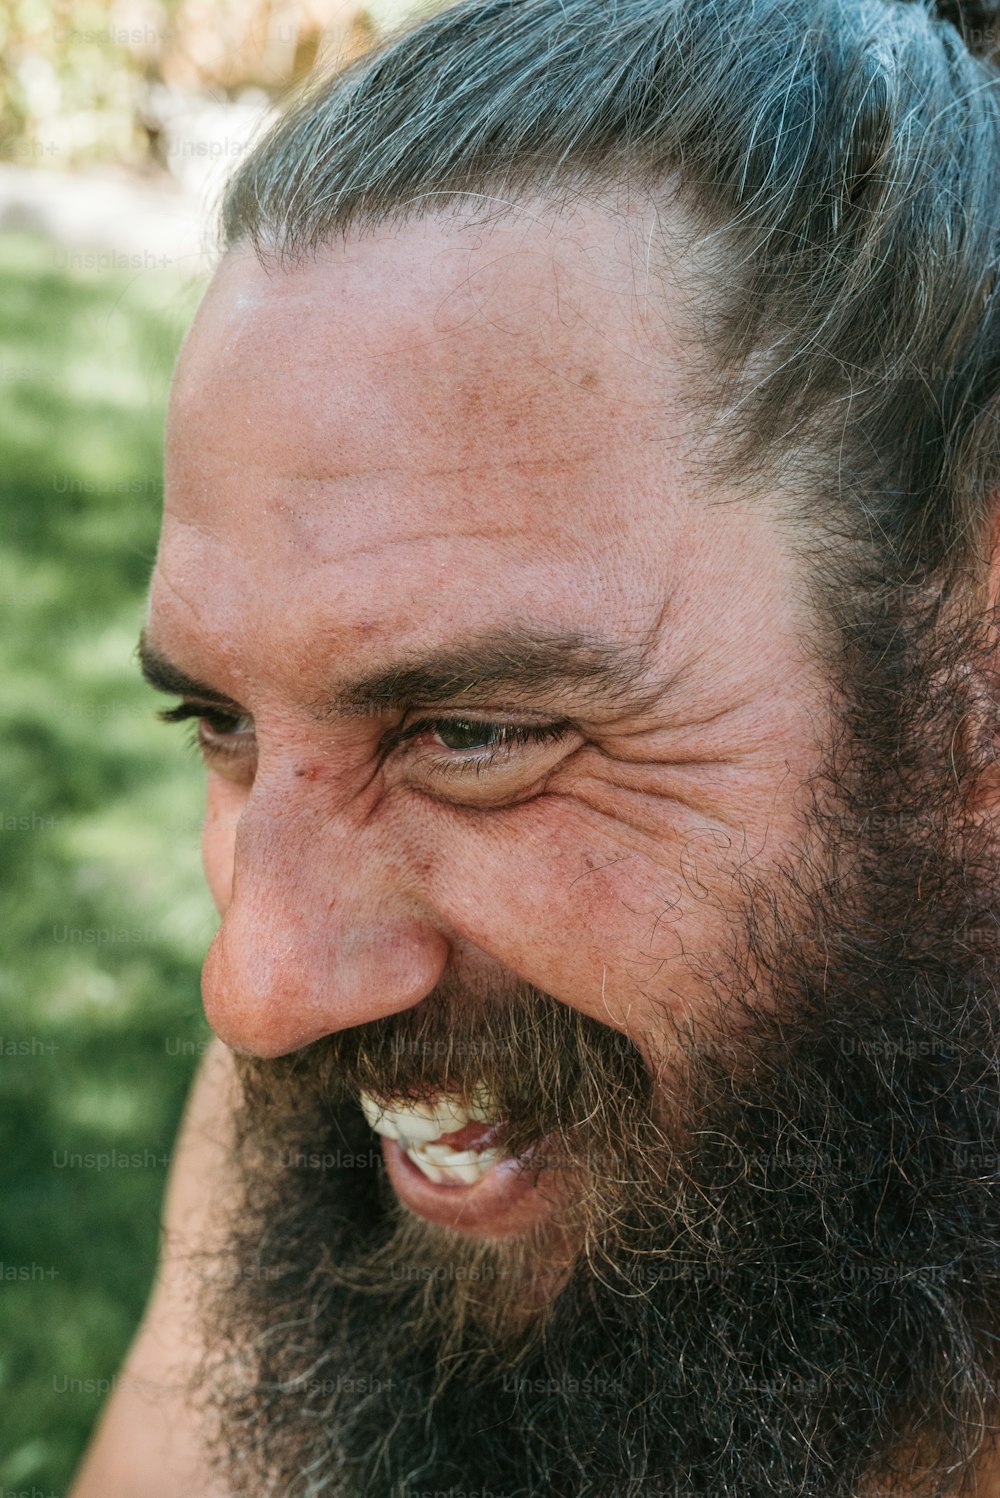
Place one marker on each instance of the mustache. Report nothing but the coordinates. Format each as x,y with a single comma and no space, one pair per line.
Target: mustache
551,1071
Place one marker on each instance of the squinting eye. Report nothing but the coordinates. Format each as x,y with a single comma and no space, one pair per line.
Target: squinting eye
223,725
213,726
219,723
226,740
472,745
478,762
460,733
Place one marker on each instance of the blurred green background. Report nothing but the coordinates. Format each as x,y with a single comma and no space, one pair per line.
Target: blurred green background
104,917
119,121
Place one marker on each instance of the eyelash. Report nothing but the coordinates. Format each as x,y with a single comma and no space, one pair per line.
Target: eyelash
503,737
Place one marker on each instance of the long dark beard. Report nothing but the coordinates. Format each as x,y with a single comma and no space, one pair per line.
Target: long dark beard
778,1269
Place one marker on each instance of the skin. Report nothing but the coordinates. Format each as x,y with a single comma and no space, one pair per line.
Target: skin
294,557
418,436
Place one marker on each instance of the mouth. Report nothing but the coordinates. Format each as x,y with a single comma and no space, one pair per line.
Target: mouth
446,1161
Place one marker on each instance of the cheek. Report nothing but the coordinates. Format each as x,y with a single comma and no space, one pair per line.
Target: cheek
224,806
576,911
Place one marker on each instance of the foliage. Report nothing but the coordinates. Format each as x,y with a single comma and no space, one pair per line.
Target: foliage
72,79
102,905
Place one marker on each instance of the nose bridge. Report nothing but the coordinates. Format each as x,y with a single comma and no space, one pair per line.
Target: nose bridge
322,931
287,833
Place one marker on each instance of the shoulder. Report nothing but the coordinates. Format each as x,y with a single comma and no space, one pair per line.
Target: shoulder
148,1443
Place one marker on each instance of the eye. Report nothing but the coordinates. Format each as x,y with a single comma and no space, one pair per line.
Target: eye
480,738
463,733
226,740
489,758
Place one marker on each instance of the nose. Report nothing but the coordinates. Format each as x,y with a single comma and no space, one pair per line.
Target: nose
321,932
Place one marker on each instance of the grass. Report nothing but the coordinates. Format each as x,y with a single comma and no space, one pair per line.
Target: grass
103,913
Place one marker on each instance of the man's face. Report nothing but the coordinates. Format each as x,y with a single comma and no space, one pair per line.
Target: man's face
456,448
511,717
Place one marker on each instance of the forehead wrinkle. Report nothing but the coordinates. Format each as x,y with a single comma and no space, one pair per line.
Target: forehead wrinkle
462,466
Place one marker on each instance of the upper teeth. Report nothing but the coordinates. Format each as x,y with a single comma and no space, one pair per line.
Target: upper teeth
422,1123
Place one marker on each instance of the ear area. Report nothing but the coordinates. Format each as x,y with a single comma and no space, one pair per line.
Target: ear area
981,730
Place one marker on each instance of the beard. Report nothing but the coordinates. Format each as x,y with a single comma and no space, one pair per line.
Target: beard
772,1266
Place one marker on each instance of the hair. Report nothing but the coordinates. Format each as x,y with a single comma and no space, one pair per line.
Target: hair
840,159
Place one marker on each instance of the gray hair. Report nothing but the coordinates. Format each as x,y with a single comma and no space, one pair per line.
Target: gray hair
843,154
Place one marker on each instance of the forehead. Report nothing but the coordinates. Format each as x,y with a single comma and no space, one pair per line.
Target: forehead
425,420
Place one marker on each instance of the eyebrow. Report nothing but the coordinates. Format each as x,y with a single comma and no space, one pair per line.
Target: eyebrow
161,674
515,663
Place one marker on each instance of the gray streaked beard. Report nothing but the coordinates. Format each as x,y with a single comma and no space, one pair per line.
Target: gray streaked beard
778,1269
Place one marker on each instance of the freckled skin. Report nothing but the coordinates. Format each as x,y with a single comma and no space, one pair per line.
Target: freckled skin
425,433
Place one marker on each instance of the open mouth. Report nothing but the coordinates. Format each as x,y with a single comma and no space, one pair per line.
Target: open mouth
451,1143
447,1162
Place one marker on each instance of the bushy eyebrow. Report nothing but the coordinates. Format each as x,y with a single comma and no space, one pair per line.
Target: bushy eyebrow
513,665
164,676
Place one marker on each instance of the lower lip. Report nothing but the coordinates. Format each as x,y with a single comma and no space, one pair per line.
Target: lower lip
505,1201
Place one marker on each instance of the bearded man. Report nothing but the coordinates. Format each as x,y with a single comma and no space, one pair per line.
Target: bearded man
580,565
